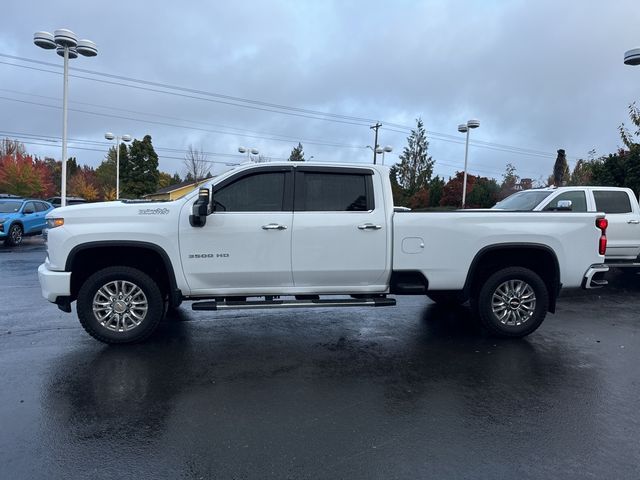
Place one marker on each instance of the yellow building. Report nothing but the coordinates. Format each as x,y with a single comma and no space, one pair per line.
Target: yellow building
173,192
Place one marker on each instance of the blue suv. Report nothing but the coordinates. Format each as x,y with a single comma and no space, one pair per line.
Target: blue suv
21,217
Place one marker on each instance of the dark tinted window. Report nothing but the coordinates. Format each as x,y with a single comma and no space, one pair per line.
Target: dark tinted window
262,192
335,192
578,201
41,207
29,206
612,201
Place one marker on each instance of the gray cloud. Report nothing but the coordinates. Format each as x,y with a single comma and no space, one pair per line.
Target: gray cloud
539,75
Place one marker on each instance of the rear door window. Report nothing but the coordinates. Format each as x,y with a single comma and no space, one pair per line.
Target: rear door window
610,201
334,192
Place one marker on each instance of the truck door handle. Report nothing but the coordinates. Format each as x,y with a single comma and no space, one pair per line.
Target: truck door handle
274,226
369,226
634,222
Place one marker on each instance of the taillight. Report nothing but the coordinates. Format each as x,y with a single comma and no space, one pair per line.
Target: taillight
602,224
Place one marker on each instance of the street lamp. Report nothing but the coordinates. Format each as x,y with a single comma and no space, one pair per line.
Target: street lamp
383,150
632,57
465,128
67,46
249,152
124,138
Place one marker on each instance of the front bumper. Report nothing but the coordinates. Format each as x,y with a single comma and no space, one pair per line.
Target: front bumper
54,284
594,276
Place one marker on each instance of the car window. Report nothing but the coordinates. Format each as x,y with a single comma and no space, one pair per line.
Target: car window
29,206
611,201
523,201
260,192
41,207
9,206
578,201
334,192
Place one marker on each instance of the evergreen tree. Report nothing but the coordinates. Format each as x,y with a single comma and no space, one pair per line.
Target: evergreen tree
139,171
436,189
560,170
297,155
416,167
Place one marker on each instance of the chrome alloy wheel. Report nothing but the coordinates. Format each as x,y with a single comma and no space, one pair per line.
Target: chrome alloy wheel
513,302
120,306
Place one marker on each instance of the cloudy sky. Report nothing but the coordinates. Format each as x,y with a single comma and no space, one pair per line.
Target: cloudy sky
538,75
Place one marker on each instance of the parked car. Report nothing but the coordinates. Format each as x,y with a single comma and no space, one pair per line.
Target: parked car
21,218
57,201
277,229
619,204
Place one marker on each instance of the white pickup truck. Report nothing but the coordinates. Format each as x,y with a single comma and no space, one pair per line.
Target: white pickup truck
300,235
619,204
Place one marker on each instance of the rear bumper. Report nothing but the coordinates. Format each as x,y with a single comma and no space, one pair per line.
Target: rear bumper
594,276
54,284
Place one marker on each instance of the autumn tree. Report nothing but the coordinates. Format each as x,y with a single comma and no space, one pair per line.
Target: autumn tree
84,184
22,175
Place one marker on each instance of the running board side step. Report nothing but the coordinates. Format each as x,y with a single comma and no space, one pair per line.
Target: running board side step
234,305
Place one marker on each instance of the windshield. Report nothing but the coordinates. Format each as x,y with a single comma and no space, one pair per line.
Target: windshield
523,201
9,206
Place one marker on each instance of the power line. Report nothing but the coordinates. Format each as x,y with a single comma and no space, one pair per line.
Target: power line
250,103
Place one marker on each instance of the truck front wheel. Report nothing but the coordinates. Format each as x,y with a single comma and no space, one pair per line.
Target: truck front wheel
120,305
512,302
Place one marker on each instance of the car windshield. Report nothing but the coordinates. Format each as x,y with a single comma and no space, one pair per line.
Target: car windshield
523,201
9,206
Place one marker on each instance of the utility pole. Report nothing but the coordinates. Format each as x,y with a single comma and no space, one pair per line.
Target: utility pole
375,142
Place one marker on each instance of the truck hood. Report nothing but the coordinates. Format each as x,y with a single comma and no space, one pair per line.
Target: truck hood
117,209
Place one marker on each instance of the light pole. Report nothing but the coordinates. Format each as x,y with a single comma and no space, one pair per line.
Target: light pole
249,152
383,150
67,46
124,138
632,57
465,128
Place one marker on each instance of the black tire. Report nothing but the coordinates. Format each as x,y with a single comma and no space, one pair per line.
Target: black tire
130,311
446,298
14,235
516,316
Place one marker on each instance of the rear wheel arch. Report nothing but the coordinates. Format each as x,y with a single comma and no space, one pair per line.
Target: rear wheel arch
538,258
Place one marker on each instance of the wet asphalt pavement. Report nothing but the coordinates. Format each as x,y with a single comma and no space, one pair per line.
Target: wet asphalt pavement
414,391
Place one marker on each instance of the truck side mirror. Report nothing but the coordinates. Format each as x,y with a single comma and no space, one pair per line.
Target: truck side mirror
201,208
564,205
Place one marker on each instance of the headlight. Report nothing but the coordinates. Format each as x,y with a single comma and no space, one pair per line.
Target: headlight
2,220
55,222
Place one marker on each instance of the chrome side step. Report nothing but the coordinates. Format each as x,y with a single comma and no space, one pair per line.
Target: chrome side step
324,303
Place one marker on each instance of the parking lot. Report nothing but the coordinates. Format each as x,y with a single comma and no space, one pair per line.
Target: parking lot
415,391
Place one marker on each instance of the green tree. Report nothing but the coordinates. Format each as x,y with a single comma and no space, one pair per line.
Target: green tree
139,171
510,179
436,189
164,180
297,154
484,193
582,173
415,167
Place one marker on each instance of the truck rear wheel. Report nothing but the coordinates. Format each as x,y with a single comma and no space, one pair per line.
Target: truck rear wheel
120,305
512,302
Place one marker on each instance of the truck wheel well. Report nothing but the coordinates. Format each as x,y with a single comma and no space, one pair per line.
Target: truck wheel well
539,259
85,261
